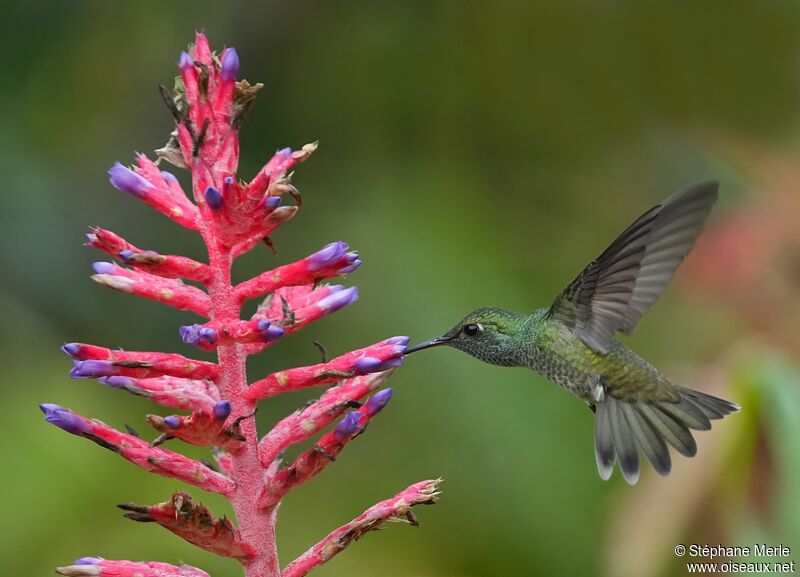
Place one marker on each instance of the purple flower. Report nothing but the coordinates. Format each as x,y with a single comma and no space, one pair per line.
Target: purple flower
327,255
367,365
350,267
347,427
89,561
377,401
190,334
269,332
126,255
104,267
230,64
64,419
336,300
92,369
221,410
169,177
71,349
209,335
213,198
194,334
398,341
117,381
185,61
372,365
271,202
273,333
172,421
124,179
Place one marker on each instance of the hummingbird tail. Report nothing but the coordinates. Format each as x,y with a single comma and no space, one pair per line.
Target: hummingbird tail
623,429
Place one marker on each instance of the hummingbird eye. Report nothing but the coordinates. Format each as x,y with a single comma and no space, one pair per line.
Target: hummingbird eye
472,329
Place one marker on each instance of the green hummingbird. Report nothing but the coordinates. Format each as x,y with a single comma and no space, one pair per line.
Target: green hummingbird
573,344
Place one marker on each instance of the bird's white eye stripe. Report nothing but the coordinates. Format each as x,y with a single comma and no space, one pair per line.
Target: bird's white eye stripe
480,326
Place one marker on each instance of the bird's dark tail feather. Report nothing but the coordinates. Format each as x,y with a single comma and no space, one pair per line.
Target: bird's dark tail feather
624,429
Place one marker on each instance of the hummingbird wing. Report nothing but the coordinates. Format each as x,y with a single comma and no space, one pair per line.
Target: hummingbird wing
617,288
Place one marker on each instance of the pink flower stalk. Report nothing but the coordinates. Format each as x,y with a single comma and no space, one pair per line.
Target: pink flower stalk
232,217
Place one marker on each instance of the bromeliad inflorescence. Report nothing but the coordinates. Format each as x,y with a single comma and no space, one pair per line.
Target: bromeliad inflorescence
232,217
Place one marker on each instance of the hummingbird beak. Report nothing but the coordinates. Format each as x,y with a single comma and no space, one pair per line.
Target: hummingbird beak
435,342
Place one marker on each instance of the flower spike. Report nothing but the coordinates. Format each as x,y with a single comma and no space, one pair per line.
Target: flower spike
213,403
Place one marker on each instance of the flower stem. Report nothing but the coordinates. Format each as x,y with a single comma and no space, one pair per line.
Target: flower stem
256,525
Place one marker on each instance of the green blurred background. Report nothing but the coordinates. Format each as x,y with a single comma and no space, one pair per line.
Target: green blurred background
476,153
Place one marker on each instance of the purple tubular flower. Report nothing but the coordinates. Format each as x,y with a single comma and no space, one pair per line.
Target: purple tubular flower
126,255
104,267
341,298
272,333
124,179
227,185
230,64
347,427
271,202
350,267
190,334
398,341
71,349
213,198
185,61
327,255
269,332
168,176
221,410
377,401
117,381
173,421
208,335
92,369
64,419
367,365
88,561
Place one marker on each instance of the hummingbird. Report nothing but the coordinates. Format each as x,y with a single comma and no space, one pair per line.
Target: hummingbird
573,341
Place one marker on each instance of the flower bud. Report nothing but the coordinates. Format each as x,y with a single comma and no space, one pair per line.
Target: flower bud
271,202
339,299
367,365
221,410
327,255
104,267
347,427
377,402
117,381
185,61
172,421
230,64
64,419
213,198
124,179
71,349
92,369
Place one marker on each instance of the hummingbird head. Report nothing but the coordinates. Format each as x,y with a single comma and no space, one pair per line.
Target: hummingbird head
488,334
